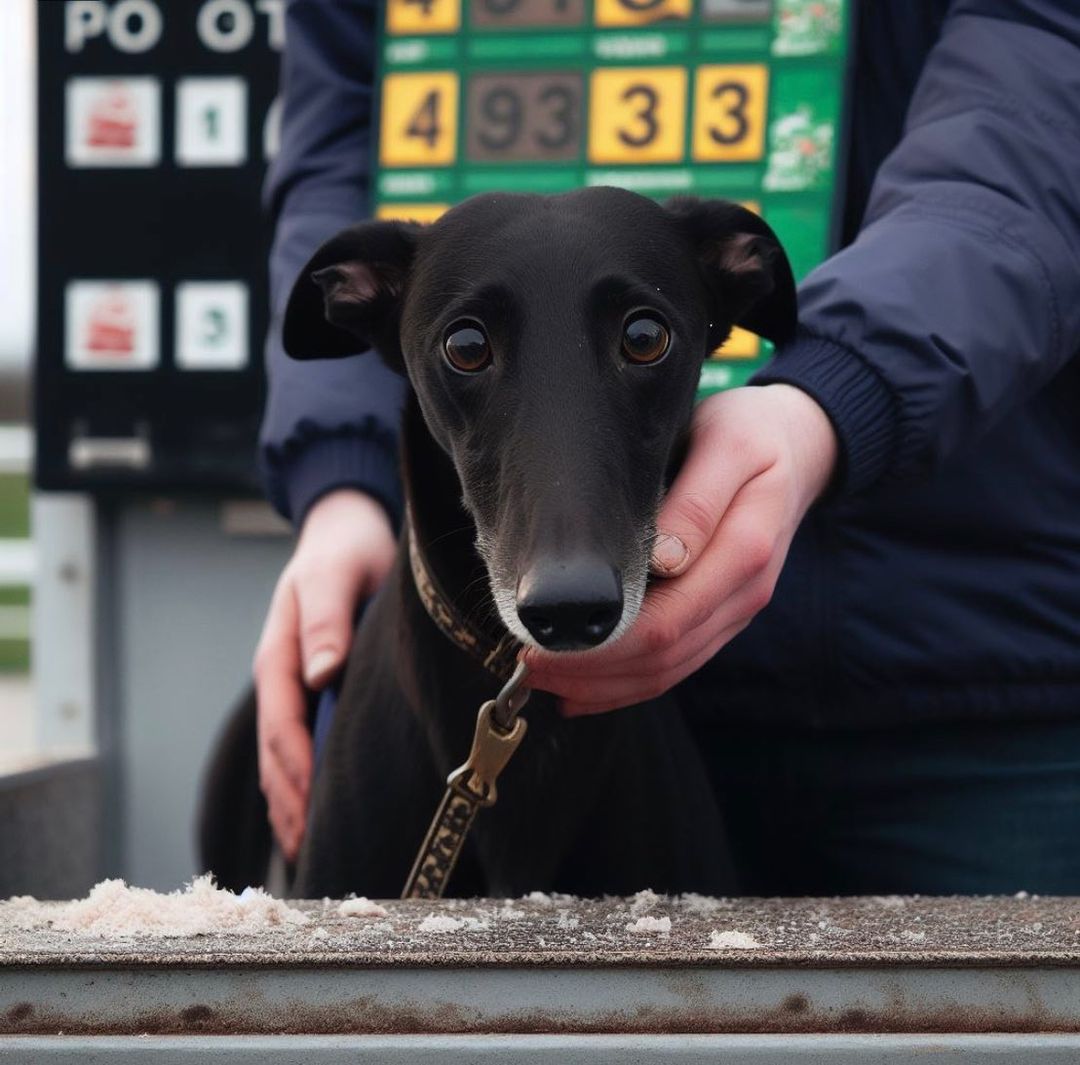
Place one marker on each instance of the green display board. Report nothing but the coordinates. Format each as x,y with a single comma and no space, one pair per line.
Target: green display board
734,98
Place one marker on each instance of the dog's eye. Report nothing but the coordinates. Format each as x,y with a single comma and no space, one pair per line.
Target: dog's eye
645,340
467,349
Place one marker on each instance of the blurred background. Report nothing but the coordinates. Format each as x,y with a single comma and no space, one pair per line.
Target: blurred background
135,572
17,261
16,331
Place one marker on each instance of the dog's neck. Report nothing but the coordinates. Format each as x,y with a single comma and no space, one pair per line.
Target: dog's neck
443,530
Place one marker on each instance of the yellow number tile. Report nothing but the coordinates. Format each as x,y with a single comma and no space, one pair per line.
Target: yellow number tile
730,104
411,212
423,16
637,115
419,119
640,12
742,344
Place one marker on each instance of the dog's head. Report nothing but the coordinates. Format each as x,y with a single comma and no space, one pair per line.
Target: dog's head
554,344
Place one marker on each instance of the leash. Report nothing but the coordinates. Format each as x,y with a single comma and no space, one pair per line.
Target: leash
499,731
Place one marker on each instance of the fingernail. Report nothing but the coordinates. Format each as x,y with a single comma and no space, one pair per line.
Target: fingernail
669,554
318,666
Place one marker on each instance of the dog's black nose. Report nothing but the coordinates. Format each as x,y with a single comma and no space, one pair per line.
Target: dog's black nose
570,605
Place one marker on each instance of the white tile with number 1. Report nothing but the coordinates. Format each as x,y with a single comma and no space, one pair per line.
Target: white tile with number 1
211,122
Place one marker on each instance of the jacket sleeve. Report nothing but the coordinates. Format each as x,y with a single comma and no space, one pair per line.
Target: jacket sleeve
331,423
960,297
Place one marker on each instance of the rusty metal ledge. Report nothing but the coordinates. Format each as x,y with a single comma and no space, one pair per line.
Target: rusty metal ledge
867,965
538,1001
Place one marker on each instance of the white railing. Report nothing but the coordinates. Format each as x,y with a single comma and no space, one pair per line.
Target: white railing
16,448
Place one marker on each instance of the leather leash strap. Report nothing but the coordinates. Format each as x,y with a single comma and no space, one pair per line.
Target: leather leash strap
499,731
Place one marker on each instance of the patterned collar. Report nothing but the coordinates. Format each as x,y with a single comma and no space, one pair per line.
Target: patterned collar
498,658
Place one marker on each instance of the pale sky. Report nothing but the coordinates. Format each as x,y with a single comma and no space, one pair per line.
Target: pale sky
17,181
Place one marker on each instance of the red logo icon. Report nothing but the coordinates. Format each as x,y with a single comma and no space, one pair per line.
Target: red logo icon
110,327
113,120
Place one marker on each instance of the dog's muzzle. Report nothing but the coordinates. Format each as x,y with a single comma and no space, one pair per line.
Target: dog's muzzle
570,605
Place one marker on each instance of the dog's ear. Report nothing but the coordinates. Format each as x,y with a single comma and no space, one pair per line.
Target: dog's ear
348,296
744,266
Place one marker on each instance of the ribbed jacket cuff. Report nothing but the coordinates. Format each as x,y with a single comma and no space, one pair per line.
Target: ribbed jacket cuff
345,461
855,397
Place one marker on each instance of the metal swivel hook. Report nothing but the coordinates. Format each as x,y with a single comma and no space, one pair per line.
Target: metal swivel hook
509,702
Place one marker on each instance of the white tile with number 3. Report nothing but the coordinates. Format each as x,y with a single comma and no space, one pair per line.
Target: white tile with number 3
211,325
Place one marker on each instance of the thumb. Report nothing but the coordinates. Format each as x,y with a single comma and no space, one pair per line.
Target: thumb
694,506
326,607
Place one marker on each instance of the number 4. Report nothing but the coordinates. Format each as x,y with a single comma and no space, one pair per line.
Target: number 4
418,119
421,16
425,123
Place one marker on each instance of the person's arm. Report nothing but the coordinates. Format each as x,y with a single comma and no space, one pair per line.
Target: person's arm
959,299
331,423
328,444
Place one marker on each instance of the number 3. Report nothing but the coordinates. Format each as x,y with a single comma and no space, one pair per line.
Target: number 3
735,95
640,12
647,115
731,103
637,115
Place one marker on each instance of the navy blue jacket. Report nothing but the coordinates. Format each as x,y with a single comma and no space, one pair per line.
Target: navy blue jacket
941,578
332,423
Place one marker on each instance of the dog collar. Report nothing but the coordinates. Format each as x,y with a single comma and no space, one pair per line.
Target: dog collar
497,657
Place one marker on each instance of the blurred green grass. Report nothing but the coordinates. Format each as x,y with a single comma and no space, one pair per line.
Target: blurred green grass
14,505
14,601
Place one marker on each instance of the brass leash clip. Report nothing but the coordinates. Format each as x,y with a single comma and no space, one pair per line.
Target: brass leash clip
499,730
492,748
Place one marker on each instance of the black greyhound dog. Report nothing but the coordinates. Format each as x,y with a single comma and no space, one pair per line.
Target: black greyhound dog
553,345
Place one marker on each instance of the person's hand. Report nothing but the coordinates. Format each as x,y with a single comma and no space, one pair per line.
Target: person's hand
345,550
758,459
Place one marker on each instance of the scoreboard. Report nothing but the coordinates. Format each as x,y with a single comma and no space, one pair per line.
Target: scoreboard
741,99
156,120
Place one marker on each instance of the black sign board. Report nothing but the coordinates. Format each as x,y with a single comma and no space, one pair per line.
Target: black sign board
156,121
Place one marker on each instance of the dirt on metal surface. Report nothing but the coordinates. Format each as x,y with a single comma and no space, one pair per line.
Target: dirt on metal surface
561,965
558,931
363,1017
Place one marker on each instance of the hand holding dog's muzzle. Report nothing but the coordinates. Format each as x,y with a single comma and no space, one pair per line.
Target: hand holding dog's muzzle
758,459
